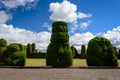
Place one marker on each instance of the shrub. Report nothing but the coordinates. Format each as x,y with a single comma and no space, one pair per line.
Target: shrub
100,52
16,55
3,47
3,43
75,52
83,52
59,53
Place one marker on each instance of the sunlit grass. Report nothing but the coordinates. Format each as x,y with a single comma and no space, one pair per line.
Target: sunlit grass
42,62
35,62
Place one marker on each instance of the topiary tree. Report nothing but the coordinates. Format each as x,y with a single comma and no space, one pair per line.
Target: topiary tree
33,48
15,55
83,52
3,47
59,53
75,52
100,52
29,50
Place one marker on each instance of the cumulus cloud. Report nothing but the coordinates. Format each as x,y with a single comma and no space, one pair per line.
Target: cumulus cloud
46,25
66,11
113,36
17,35
4,17
16,3
83,15
84,25
79,39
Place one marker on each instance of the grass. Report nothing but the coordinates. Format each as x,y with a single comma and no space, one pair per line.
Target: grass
42,62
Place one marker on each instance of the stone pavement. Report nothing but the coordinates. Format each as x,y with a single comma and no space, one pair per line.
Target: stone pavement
58,74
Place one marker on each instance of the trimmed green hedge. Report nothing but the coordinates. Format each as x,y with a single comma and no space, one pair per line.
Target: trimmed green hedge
59,53
100,52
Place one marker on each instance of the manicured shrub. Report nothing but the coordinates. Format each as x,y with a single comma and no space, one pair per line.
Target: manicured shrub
59,53
75,52
29,50
83,52
3,47
33,48
3,43
15,55
100,52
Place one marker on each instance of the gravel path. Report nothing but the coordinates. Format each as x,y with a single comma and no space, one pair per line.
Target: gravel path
59,74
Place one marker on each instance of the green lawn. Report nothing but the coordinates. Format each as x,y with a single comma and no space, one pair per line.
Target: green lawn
42,62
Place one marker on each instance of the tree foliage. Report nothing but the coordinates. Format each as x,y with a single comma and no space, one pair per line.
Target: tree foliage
83,52
59,53
100,52
75,52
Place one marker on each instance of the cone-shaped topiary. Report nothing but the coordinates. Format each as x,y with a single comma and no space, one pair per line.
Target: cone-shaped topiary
83,52
75,52
100,52
59,53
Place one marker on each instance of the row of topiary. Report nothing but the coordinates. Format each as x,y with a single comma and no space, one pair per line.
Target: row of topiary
100,51
12,55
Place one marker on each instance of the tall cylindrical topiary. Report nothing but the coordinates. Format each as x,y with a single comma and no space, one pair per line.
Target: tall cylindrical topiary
59,53
100,52
83,52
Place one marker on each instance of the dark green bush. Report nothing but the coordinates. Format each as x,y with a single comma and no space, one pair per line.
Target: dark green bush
75,52
59,26
83,52
3,47
100,52
59,53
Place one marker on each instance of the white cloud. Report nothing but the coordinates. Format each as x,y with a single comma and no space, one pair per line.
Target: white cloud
84,25
17,35
83,15
79,39
66,11
113,36
47,26
4,17
16,3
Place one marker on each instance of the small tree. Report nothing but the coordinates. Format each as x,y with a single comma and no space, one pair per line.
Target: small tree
29,50
100,52
33,47
83,52
75,52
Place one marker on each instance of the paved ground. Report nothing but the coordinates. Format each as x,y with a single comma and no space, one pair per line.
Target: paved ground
59,74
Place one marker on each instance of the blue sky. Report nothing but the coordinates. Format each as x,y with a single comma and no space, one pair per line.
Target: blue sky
86,20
